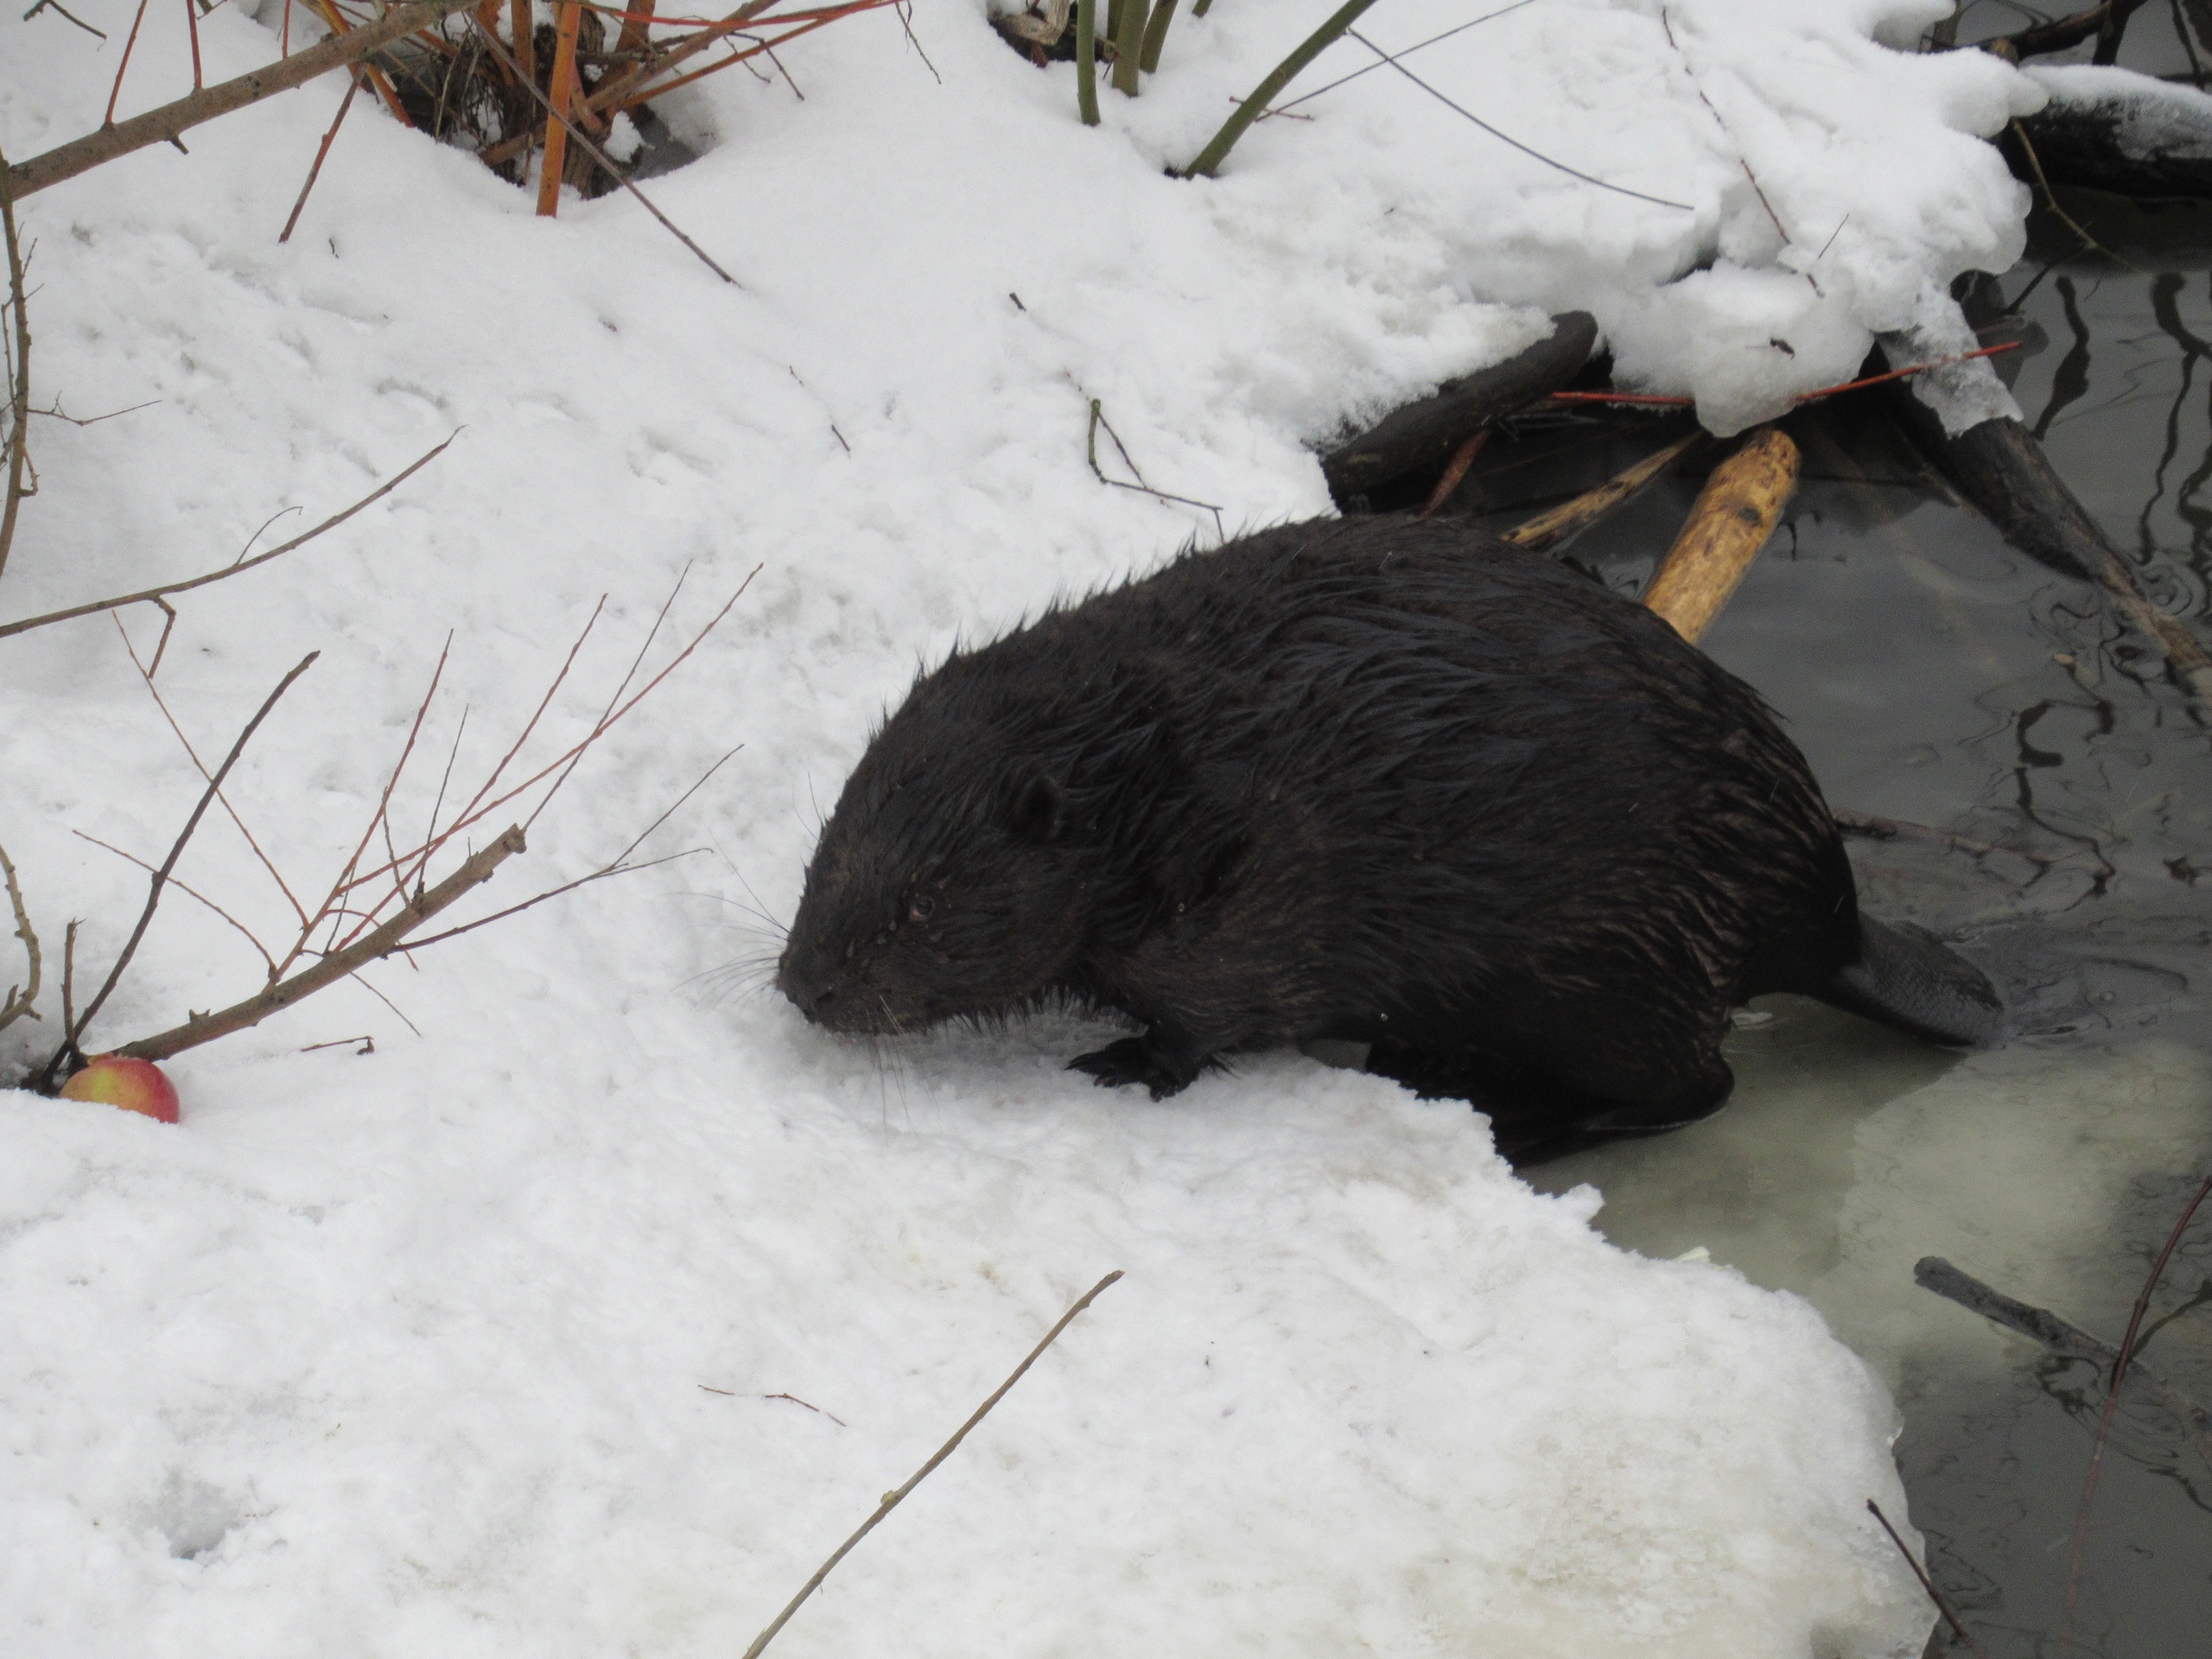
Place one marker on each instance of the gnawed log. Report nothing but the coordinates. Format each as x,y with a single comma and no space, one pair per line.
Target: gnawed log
1732,518
1425,433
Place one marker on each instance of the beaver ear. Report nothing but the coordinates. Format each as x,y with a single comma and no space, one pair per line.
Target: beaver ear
1040,810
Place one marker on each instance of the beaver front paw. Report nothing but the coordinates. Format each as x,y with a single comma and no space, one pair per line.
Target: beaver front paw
1135,1059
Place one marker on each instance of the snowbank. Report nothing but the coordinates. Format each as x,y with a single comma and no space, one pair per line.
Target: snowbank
410,1352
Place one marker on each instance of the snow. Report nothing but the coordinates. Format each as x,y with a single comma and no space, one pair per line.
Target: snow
412,1351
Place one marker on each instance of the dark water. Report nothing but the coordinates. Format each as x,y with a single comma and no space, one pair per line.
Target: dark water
1934,675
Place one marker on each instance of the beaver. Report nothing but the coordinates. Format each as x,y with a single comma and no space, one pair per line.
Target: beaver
1374,780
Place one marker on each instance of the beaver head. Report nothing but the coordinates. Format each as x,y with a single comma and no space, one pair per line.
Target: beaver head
947,881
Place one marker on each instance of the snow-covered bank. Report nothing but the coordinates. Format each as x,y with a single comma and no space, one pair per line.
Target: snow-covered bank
405,1353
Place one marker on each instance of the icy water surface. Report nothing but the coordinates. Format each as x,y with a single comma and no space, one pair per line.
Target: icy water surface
1934,675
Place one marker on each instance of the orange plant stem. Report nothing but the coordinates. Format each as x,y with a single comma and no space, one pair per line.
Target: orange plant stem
563,93
635,25
526,35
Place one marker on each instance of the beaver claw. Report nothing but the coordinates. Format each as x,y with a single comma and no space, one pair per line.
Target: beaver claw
1132,1059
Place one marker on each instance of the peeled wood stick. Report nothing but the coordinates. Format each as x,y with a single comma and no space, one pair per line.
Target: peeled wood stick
556,129
1731,521
891,1499
206,1028
1572,517
159,126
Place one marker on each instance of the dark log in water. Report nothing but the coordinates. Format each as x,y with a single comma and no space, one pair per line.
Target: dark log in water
1424,434
2002,470
2153,142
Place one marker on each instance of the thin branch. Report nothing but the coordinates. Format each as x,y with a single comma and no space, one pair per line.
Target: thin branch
205,1028
17,1006
69,988
19,393
890,1500
551,892
491,41
1369,69
2104,1420
238,568
189,893
1926,1583
389,1003
619,865
322,149
1617,189
591,737
382,815
163,125
146,674
78,1025
56,5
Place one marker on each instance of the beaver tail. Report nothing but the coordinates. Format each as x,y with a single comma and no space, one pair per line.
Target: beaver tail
1907,977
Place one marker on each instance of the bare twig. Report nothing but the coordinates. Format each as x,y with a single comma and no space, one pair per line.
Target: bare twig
1926,1583
315,168
1098,422
69,986
146,674
236,568
77,1026
1207,163
499,52
56,5
1549,528
161,126
17,1006
19,390
1507,138
132,858
619,865
890,1500
2104,1420
205,1028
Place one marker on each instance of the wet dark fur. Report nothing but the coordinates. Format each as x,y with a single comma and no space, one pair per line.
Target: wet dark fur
1358,778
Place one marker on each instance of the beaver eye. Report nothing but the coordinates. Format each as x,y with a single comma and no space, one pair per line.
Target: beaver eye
920,908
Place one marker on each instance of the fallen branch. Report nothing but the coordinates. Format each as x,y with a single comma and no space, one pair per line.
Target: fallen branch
1454,473
17,1006
163,125
236,568
1733,518
1548,530
205,1028
2040,1325
890,1500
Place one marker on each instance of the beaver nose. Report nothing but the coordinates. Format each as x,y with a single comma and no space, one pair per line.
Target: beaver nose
813,991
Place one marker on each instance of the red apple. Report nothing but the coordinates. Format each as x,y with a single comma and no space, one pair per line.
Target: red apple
135,1085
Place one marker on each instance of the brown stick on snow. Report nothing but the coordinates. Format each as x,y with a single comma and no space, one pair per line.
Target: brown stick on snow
19,391
159,126
891,1499
1731,521
373,947
1572,517
93,607
17,1004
